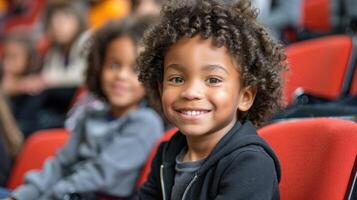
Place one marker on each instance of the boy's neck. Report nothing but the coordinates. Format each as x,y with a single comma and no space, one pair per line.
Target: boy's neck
200,147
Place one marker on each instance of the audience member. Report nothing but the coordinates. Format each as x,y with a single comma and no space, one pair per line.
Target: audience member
108,146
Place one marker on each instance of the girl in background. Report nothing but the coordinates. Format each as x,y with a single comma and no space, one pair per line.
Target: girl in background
108,145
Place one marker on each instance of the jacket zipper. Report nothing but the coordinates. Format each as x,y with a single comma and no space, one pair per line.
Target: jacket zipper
162,182
189,186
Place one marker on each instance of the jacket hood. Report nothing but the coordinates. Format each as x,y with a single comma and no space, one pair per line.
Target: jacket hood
241,135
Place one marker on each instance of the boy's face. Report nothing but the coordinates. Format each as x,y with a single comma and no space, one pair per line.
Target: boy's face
201,91
119,79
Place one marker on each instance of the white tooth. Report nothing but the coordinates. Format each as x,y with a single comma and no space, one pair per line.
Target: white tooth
193,112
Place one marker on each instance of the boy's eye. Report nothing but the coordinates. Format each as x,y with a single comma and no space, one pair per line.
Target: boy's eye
213,80
176,80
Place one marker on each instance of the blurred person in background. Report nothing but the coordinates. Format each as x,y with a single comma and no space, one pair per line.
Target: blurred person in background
20,67
146,7
283,13
348,12
64,63
20,82
10,141
277,14
109,145
63,68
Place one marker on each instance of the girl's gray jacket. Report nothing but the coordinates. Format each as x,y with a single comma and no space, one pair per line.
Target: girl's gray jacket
101,155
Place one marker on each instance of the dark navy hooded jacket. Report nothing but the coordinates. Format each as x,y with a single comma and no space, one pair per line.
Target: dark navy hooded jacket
242,166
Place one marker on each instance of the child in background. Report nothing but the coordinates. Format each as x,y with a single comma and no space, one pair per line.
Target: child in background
10,141
64,63
146,7
20,69
19,64
108,146
217,75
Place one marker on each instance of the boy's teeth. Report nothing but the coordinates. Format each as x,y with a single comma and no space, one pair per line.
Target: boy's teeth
193,113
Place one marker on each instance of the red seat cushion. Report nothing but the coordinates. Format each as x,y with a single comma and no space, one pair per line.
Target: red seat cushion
316,155
35,151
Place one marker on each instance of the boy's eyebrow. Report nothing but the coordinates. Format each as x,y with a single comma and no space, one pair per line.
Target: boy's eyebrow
175,66
210,67
215,67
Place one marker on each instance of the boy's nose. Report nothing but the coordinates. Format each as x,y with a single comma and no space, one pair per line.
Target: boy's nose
193,91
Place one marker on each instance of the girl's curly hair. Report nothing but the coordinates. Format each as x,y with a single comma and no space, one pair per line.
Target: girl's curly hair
233,25
97,46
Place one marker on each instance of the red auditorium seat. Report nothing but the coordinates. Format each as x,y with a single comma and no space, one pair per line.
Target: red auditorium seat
316,15
317,157
354,85
35,151
318,66
352,91
146,170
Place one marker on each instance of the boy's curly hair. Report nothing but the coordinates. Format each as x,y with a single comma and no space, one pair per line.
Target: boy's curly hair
233,25
131,27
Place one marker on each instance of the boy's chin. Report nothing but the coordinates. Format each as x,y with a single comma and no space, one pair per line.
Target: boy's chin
192,131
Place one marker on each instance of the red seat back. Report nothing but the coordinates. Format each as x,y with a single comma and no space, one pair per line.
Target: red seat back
35,151
354,84
146,170
317,157
27,20
318,66
316,15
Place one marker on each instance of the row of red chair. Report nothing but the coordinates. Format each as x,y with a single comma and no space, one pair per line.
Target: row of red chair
318,156
323,67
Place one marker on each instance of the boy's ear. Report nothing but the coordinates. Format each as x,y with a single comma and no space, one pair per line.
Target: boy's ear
246,98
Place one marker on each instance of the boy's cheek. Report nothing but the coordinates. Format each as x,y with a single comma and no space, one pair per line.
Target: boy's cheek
167,98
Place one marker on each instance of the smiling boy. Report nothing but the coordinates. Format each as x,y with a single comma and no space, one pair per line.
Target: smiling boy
216,75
